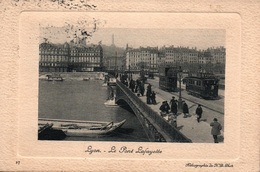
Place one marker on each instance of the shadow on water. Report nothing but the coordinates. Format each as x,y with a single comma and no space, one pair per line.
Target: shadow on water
125,106
51,134
124,130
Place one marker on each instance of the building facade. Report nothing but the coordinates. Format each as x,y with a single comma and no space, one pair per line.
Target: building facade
142,59
179,55
151,58
67,58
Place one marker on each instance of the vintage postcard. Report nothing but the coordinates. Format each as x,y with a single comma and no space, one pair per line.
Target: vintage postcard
155,89
105,77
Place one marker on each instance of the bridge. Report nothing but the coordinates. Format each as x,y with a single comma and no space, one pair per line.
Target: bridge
155,126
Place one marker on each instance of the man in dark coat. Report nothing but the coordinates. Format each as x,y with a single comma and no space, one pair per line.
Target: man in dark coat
185,109
148,94
167,107
153,98
215,130
199,112
132,85
174,107
142,89
164,108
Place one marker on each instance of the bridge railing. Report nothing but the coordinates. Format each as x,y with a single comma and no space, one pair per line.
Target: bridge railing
174,133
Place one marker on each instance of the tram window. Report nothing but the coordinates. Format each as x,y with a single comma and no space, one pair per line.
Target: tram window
198,83
195,82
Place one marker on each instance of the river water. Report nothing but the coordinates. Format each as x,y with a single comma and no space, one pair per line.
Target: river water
84,100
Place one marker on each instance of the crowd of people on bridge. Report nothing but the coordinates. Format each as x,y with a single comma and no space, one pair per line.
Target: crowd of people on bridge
137,86
170,110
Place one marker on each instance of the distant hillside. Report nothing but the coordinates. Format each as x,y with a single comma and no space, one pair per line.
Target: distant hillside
111,50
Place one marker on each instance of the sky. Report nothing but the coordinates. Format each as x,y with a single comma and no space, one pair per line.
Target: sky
135,37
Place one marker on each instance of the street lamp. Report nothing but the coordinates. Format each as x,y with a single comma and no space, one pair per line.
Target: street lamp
180,99
129,72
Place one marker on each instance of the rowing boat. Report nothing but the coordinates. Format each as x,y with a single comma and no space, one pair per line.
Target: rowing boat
81,128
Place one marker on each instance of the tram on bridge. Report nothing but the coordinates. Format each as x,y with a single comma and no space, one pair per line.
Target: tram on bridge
203,85
168,78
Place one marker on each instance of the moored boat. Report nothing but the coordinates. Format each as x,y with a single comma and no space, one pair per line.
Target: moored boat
43,127
56,77
81,128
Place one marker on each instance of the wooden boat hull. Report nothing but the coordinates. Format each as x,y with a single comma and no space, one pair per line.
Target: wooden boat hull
54,78
77,128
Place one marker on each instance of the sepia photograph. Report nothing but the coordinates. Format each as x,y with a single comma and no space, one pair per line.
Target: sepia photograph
114,86
131,84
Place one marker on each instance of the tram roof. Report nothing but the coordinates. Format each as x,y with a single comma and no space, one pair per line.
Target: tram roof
202,78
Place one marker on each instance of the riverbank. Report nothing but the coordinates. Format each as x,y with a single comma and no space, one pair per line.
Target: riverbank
74,75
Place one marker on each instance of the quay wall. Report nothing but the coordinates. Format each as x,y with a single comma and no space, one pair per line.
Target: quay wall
72,75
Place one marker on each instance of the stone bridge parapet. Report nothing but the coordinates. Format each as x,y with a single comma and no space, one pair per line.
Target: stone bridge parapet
156,127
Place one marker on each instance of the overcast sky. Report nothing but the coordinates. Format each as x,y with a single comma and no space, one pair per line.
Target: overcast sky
200,38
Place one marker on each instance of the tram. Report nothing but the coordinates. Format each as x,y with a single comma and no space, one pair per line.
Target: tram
203,85
168,78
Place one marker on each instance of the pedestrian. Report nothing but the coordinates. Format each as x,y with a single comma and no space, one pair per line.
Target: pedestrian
132,85
153,98
136,85
149,88
174,107
185,109
148,94
164,108
215,130
167,107
142,89
199,112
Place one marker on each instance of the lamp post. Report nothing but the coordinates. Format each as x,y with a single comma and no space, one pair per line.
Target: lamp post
129,72
180,99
